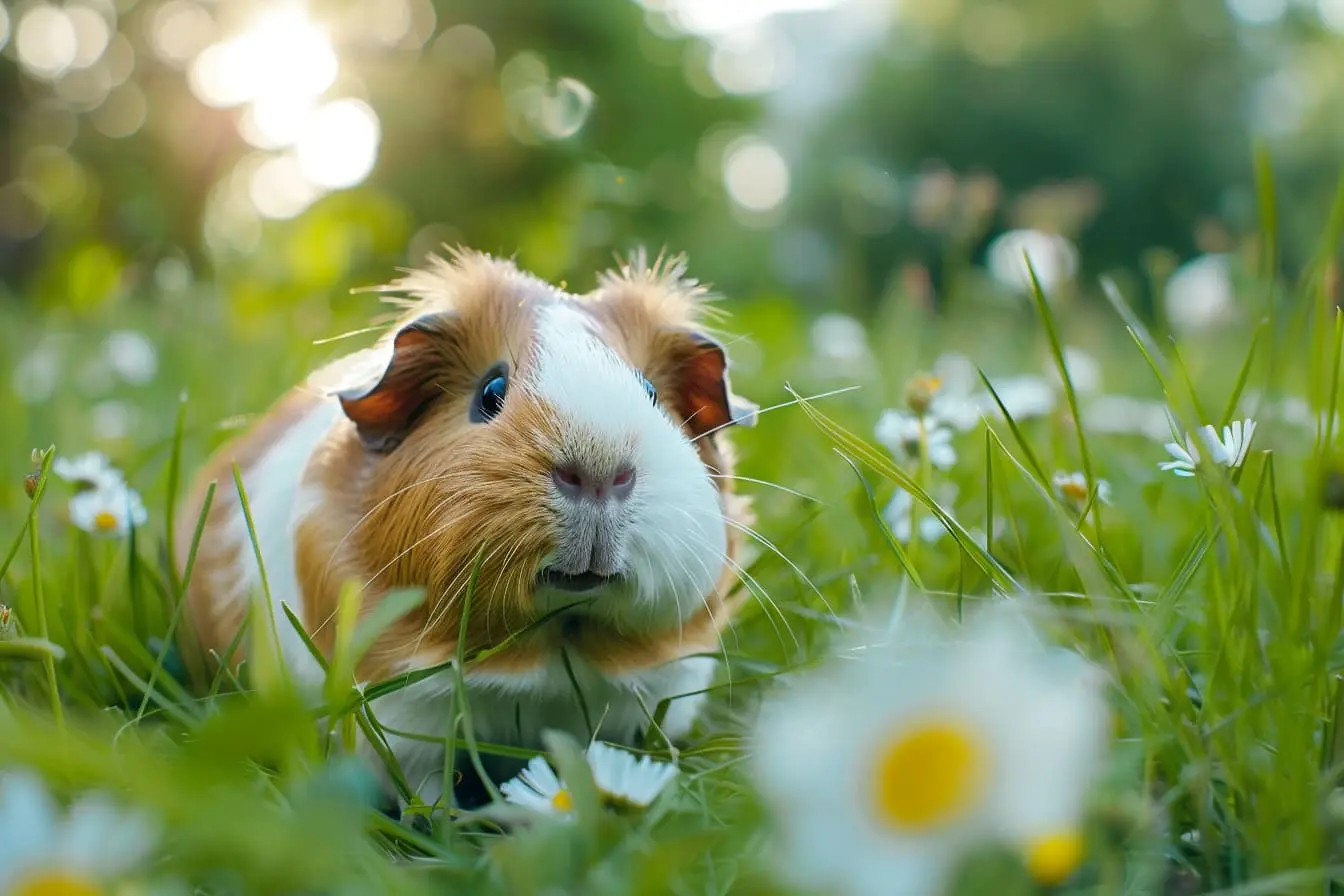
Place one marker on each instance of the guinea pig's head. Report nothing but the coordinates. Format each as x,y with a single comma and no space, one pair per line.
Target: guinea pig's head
565,448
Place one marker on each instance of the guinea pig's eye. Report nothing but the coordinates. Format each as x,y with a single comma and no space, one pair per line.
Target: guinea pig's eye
648,388
490,399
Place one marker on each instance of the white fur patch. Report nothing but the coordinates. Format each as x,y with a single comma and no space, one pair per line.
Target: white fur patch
279,502
672,535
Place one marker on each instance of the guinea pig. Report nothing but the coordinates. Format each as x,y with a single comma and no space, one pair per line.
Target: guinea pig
571,449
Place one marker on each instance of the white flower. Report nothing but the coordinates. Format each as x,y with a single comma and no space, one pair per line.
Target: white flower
621,778
110,510
907,436
1053,258
898,516
43,850
1229,451
537,787
92,469
131,355
1200,294
1073,488
884,768
625,778
1024,397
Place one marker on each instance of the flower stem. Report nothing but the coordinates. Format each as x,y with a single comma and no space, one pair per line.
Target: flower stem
44,631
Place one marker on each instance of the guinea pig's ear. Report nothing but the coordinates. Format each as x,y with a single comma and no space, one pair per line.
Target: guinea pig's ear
703,389
383,391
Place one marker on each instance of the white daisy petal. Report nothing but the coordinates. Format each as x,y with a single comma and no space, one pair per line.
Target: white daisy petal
884,767
28,819
627,778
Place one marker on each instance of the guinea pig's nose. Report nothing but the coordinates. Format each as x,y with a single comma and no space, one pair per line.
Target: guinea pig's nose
578,484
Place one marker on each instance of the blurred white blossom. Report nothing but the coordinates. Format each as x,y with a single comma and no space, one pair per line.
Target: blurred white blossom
91,469
1024,396
1074,490
886,767
908,436
1083,369
1053,258
109,510
132,356
840,346
1126,415
1200,294
900,511
82,850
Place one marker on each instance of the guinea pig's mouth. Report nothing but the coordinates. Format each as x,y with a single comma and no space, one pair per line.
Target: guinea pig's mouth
584,581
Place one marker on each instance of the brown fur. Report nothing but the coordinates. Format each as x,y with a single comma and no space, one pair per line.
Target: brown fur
418,515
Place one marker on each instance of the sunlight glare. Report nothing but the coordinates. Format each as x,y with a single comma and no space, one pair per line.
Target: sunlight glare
279,190
283,52
339,144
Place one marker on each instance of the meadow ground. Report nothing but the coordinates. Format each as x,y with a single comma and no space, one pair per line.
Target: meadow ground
1212,601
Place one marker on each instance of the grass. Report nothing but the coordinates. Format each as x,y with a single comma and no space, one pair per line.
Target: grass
1215,602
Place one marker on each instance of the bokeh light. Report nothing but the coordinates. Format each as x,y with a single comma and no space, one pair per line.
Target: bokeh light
339,144
46,41
755,174
180,30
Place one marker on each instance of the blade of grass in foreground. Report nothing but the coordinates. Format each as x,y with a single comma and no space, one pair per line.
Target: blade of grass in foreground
863,451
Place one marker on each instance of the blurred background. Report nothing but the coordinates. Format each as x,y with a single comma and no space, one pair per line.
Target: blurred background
217,174
838,150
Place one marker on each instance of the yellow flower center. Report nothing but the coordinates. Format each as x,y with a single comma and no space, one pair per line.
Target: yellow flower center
1074,490
928,775
105,520
55,883
1052,858
562,801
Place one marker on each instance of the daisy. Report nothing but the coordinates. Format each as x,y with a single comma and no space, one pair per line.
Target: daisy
1073,489
908,436
625,779
537,787
43,851
1229,450
91,470
622,779
109,510
886,767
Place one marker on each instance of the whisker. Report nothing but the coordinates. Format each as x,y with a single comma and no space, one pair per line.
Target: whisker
776,485
365,518
747,530
766,601
776,407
